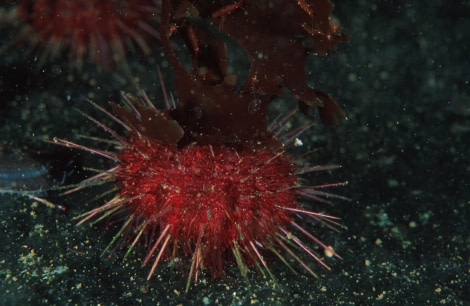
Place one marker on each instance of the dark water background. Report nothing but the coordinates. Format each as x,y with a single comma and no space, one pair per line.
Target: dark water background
403,81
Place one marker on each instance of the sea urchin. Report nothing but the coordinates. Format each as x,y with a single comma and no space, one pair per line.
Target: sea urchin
212,203
101,30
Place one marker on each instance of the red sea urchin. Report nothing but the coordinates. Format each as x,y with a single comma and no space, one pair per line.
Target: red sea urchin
100,30
213,203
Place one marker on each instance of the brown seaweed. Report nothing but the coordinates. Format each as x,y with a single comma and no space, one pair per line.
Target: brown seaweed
277,36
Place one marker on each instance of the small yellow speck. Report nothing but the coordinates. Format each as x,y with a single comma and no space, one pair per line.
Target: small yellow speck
329,251
381,296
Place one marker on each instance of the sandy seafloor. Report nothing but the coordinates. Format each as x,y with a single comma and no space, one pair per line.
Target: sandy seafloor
403,81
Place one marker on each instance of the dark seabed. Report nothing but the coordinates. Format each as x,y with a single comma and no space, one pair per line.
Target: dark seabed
404,82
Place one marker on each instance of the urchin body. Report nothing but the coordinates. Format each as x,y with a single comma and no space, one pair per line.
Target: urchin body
211,203
219,195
